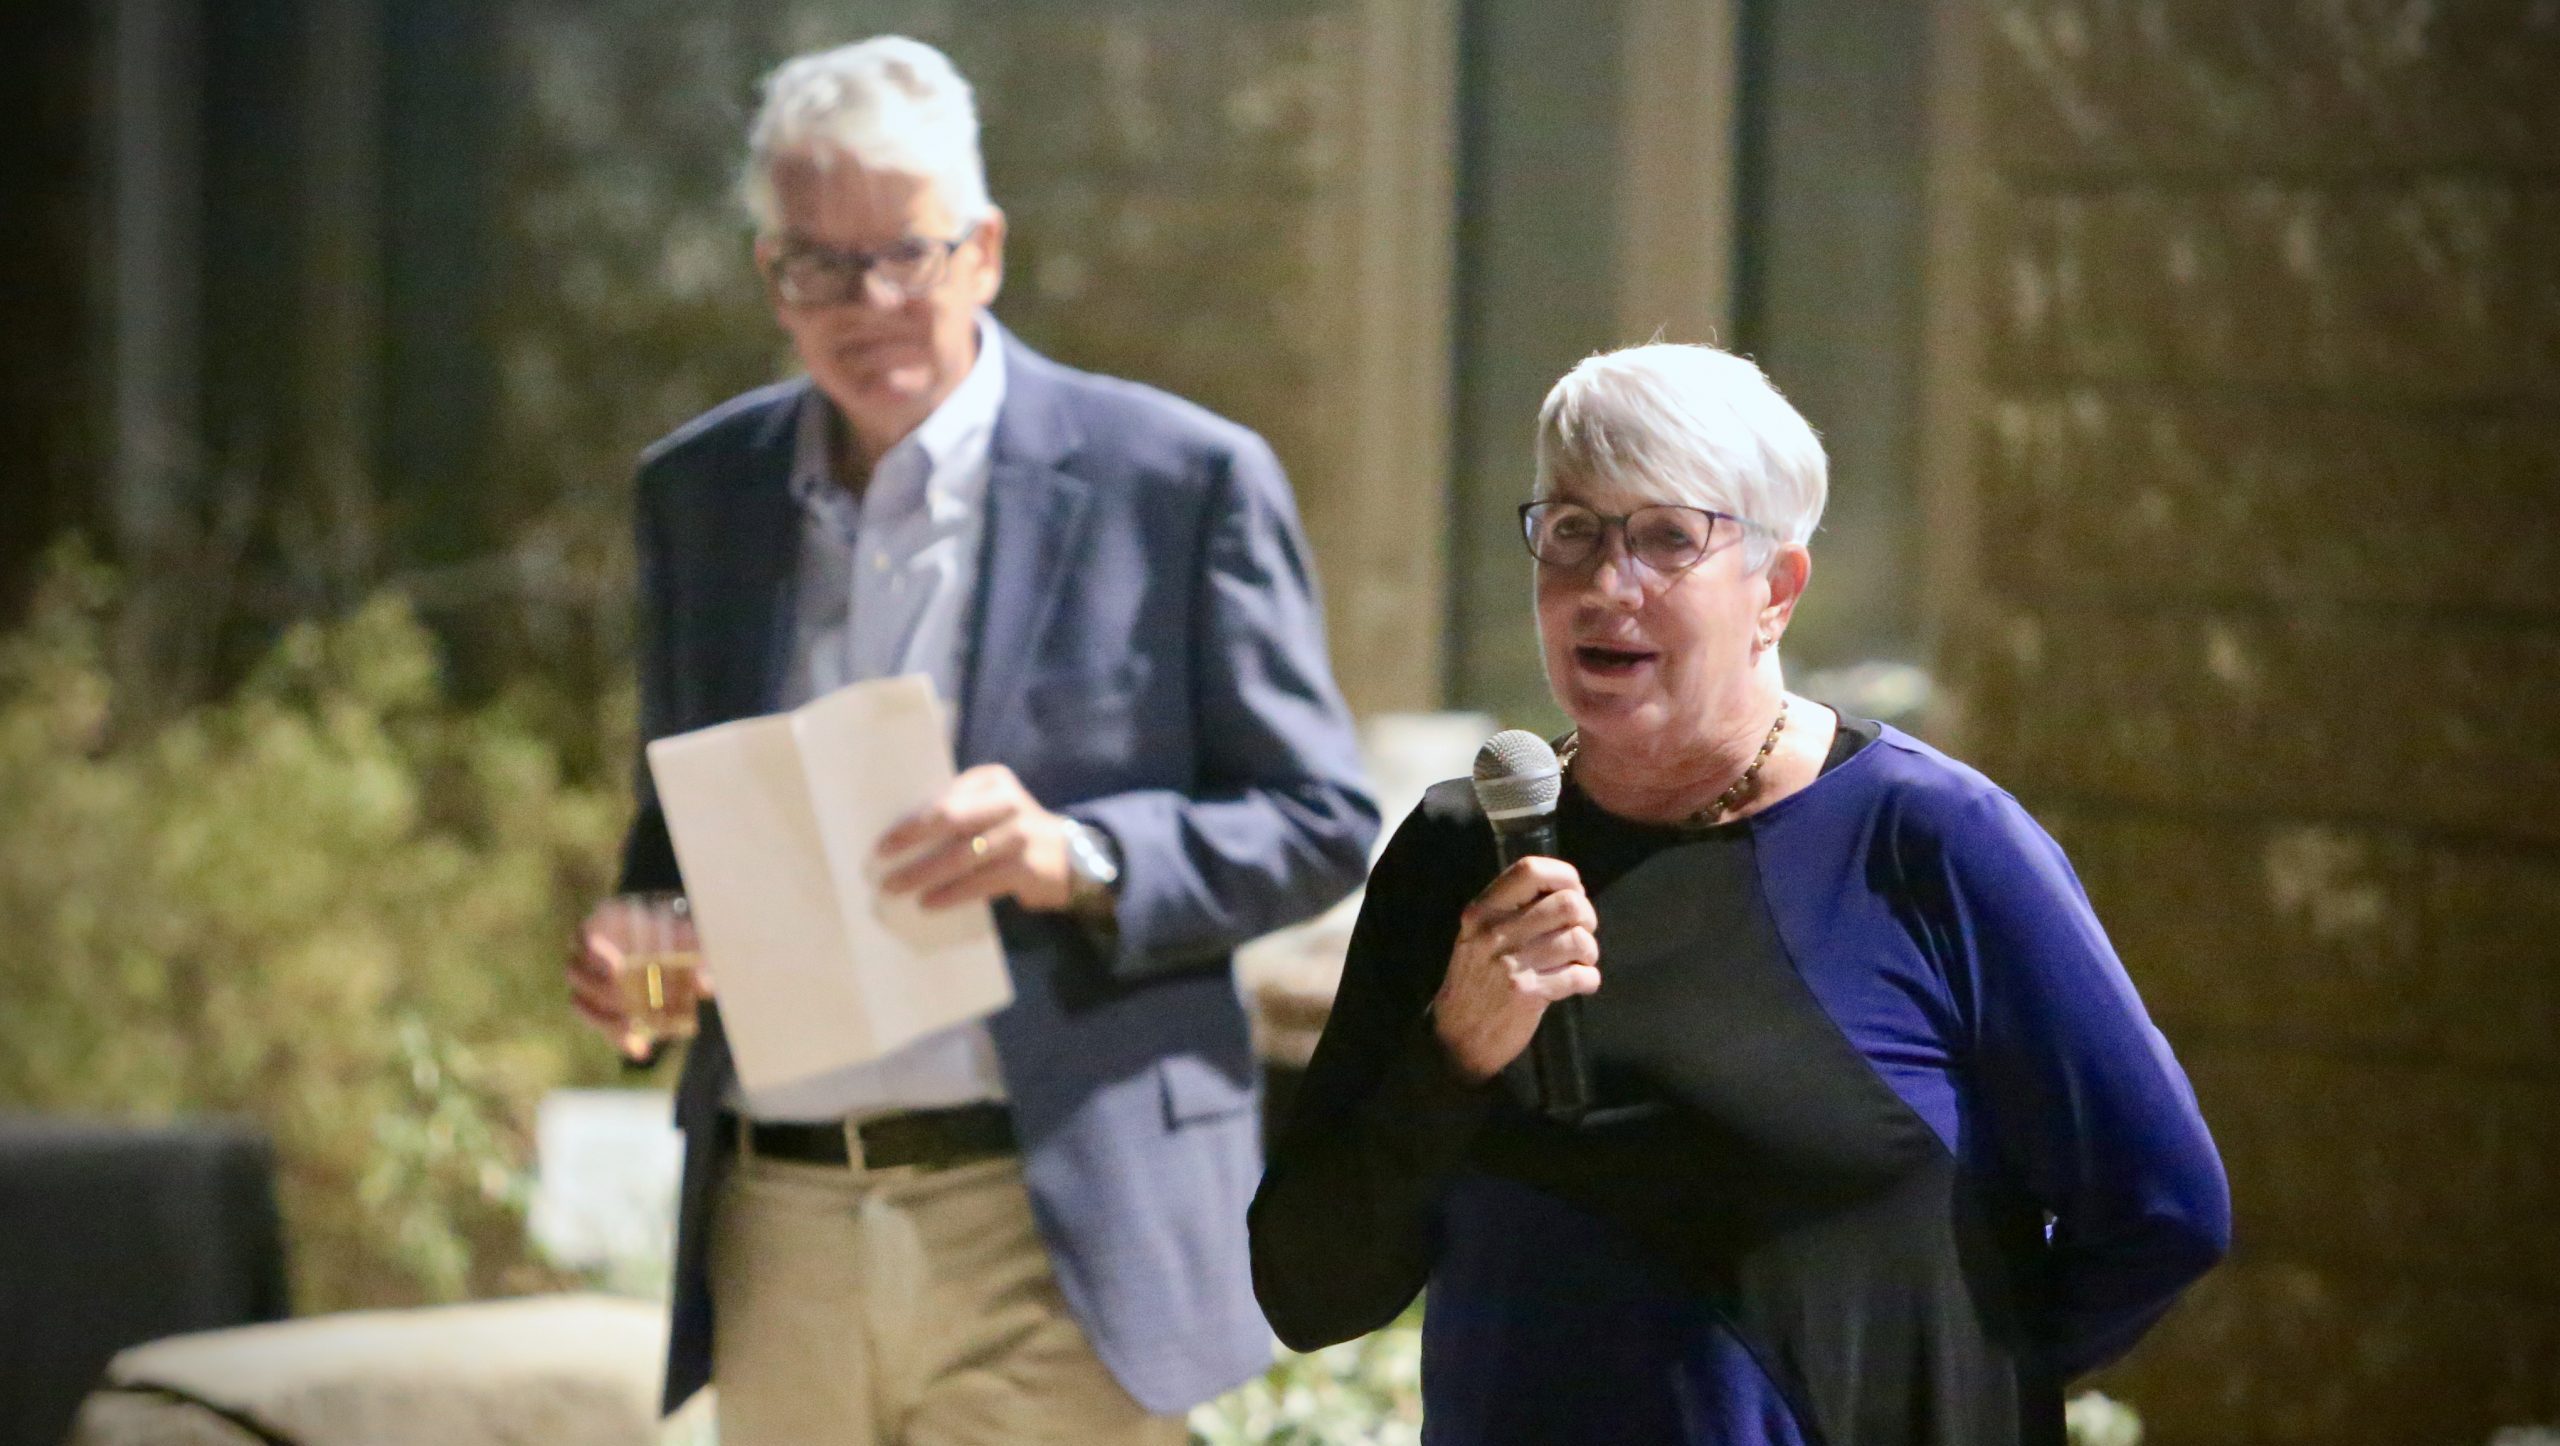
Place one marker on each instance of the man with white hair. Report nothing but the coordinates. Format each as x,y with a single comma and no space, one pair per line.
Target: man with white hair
1030,1229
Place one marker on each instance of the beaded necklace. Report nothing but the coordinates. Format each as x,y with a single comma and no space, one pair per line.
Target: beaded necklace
1726,802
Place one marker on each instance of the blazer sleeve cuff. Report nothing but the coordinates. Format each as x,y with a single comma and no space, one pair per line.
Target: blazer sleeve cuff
1144,826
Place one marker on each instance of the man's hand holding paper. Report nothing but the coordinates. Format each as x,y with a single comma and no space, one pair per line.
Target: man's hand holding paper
985,839
779,824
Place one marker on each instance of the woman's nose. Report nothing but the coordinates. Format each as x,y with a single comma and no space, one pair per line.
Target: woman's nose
1616,575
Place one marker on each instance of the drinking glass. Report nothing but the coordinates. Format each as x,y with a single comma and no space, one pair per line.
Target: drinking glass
660,972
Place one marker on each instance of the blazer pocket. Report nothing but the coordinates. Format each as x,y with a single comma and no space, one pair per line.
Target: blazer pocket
1196,1090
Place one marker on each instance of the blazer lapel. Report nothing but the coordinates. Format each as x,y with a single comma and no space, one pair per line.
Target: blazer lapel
1036,517
761,537
1035,531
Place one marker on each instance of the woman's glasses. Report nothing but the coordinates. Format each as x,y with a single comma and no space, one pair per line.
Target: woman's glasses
1667,539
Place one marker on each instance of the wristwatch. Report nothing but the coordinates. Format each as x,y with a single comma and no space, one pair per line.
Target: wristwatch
1093,875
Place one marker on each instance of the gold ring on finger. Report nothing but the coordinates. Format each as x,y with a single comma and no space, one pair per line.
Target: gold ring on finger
977,845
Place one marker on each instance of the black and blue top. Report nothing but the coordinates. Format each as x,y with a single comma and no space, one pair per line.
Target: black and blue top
1887,1149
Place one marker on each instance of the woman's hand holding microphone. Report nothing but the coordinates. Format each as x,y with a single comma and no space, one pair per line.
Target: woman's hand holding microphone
1528,940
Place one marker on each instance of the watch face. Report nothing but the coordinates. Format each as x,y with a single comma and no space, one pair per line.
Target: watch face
1094,869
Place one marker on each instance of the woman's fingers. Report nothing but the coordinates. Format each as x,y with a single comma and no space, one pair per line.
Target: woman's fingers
1559,914
1517,888
1542,967
1561,983
1543,914
1558,950
1568,908
1528,940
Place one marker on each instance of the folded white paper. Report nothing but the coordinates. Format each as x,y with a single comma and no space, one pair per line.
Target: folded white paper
774,821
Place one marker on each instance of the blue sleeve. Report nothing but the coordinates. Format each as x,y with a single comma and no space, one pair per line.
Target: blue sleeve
2082,1099
1278,823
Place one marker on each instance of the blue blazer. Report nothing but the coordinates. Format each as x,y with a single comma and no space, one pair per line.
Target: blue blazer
1148,655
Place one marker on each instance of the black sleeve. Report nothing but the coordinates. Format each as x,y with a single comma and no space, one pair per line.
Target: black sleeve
1344,1228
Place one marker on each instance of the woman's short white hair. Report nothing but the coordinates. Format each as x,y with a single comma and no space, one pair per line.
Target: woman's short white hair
1687,424
889,103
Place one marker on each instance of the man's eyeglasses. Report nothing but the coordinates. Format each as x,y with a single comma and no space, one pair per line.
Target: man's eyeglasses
1668,539
806,273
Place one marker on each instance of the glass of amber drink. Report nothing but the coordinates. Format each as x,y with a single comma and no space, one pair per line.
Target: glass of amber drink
659,972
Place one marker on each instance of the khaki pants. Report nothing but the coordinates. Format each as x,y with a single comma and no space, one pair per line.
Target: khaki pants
900,1308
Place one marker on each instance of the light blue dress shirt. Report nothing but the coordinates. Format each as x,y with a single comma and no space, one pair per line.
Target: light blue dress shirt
886,579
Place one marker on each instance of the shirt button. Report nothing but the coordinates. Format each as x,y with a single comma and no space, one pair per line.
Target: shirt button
879,562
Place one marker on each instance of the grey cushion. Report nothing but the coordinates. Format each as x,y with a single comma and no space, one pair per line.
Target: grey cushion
572,1370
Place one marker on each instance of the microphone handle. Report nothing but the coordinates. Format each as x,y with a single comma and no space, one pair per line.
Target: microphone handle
1556,1058
1564,1072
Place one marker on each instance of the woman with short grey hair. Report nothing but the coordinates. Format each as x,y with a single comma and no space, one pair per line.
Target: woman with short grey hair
1881,1148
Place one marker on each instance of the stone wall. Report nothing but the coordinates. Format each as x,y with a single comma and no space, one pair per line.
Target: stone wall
2258,606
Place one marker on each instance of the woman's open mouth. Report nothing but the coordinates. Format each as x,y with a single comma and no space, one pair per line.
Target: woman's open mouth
1611,660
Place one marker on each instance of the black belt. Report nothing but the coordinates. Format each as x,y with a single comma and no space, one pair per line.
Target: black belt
930,1139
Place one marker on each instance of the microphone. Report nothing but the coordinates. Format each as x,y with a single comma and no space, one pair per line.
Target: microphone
1517,782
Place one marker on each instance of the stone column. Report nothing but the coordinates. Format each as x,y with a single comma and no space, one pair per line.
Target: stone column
2248,450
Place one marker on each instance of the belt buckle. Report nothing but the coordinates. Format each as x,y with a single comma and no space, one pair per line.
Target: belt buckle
745,1145
930,1140
909,1153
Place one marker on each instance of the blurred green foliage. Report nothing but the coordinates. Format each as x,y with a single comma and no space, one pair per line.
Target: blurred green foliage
1368,1392
1365,1392
328,900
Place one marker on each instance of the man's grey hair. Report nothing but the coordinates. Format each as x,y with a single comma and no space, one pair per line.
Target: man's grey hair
1692,425
888,103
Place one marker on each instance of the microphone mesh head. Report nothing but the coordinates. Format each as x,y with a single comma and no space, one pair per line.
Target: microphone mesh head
1517,776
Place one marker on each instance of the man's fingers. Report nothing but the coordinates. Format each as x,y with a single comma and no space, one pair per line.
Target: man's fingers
592,981
925,824
919,829
953,819
976,800
987,779
993,882
595,952
604,1013
956,859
